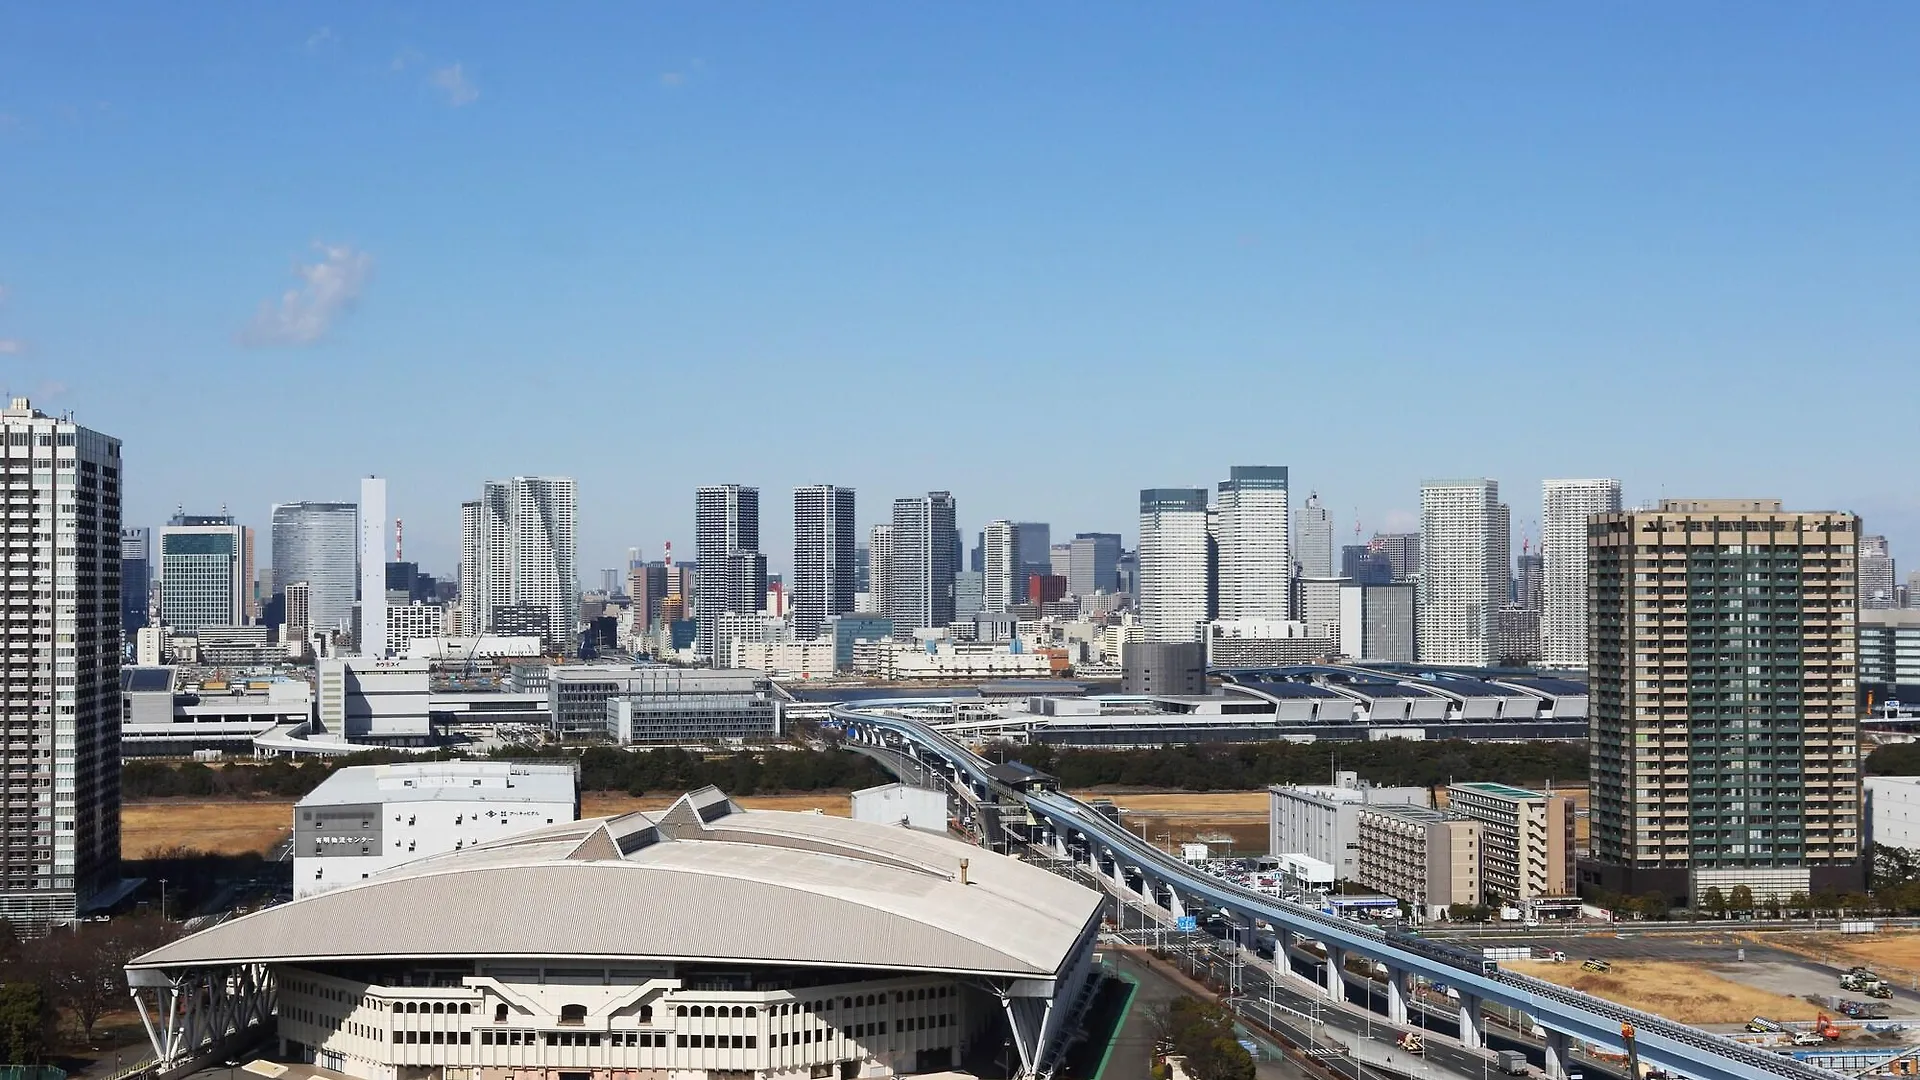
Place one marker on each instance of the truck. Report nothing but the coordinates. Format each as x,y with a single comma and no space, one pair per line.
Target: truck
1511,1062
1411,1043
1762,1025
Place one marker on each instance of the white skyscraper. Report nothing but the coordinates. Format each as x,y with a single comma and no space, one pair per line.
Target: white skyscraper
1173,563
823,571
373,568
318,543
517,549
880,569
1465,537
920,578
1256,560
1001,558
60,690
1565,507
1315,549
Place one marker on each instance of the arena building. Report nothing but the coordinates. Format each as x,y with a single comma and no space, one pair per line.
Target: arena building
705,942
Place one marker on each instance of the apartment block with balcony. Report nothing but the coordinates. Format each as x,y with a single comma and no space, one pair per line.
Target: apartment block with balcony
1428,858
1526,840
1725,734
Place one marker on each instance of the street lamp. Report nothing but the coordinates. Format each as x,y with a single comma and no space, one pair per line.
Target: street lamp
163,899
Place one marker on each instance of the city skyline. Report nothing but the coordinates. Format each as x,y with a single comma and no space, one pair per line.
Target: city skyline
970,203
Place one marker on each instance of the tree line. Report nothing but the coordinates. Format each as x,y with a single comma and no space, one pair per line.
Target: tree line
1242,766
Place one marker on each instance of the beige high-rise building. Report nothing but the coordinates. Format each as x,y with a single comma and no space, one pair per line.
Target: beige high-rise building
1725,742
1526,840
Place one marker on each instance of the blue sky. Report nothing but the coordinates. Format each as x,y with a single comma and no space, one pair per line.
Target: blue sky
1040,255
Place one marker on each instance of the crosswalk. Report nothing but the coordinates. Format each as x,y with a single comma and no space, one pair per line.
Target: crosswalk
1325,1053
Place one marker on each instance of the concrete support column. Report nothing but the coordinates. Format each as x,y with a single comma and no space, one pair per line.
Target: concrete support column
1175,906
1473,1026
1059,842
1558,1054
1336,973
1288,938
1399,994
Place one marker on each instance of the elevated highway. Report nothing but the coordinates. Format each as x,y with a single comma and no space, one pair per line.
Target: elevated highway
1068,828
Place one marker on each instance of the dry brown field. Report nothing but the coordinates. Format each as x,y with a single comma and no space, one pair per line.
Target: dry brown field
222,827
1178,817
240,826
1687,993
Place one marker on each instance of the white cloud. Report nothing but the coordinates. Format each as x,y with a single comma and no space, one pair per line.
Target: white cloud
321,38
12,346
452,81
327,291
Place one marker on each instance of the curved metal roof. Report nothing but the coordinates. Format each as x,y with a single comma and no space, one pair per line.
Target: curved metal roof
703,881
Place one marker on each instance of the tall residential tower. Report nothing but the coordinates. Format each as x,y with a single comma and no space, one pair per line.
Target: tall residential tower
1465,571
1566,505
822,557
1314,551
920,589
1725,744
518,550
726,545
60,687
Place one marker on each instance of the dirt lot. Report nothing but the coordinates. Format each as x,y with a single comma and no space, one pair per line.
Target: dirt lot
1684,992
1888,953
238,826
1179,817
226,827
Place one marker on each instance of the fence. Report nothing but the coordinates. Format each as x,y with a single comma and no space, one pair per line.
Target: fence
31,1072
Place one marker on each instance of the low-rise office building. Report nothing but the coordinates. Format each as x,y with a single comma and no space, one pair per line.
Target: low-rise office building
943,659
785,659
577,694
161,714
1428,858
358,699
668,706
366,819
1321,821
1526,840
1256,643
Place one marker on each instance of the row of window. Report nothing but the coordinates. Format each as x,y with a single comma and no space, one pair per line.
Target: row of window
573,1038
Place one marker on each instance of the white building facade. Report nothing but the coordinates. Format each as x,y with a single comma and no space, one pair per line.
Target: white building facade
1256,557
365,819
1000,558
1173,563
60,688
1465,538
518,547
1314,550
373,568
1564,508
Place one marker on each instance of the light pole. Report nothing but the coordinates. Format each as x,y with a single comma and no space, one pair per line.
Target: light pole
163,899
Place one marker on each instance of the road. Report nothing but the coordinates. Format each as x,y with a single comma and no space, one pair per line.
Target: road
1133,1047
1298,1006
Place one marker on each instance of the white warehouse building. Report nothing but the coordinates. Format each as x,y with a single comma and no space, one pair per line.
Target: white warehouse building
705,942
367,819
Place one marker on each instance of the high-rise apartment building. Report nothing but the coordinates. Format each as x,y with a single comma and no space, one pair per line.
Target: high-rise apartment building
1402,552
1256,559
1464,538
60,681
1093,563
206,571
1002,582
372,633
1566,507
136,579
879,570
299,611
1314,550
1722,673
726,523
823,560
920,579
1526,840
518,551
1173,563
1529,581
318,543
1876,574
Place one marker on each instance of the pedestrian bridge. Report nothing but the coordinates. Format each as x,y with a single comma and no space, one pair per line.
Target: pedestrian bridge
1068,828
